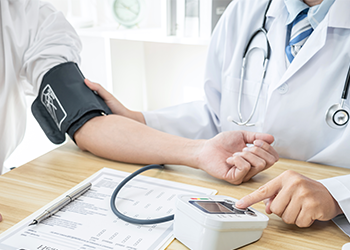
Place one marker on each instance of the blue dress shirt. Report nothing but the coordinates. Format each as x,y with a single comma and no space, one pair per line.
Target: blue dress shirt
315,15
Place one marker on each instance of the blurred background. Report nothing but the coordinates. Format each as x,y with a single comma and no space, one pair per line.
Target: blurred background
149,53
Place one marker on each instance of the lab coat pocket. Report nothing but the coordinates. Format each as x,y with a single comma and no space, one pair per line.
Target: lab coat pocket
250,95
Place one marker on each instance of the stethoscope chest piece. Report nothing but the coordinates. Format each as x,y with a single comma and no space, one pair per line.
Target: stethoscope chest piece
337,116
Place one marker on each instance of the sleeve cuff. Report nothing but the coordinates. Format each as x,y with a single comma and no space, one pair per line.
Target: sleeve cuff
151,120
340,193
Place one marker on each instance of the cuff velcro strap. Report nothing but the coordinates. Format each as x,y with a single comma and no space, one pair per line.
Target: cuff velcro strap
63,99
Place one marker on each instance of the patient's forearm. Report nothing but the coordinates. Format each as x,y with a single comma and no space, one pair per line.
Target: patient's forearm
122,139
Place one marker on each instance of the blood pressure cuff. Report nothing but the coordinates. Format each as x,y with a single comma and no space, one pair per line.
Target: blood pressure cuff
65,103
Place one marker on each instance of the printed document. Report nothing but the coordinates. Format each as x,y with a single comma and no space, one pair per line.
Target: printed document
88,222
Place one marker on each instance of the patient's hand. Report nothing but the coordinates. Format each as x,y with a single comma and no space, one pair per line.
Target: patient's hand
227,157
115,106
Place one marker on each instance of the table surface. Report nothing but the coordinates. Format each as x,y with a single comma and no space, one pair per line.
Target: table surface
31,186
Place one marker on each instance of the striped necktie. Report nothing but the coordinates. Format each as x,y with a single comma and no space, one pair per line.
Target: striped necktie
301,30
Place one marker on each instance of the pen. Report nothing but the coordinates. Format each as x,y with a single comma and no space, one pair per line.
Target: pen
66,200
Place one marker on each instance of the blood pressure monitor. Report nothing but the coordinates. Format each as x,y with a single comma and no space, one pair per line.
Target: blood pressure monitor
213,222
204,222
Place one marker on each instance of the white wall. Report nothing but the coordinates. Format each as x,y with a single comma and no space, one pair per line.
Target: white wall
151,75
99,10
174,73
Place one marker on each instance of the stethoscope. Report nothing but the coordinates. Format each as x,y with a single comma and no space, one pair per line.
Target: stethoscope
336,116
247,51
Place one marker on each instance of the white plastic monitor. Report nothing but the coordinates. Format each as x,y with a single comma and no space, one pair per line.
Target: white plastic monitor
213,222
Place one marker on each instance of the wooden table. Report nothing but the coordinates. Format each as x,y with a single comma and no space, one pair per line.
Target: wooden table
31,186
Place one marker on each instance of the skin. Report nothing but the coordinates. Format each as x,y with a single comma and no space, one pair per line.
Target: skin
313,2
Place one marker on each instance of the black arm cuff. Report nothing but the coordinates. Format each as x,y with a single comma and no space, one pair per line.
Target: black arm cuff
65,103
82,120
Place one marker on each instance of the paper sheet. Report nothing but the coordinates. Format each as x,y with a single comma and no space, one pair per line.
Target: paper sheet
88,222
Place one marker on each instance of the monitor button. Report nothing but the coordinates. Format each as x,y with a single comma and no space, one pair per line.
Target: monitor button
229,202
251,213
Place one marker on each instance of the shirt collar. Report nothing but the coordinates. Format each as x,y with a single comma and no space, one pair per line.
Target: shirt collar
315,15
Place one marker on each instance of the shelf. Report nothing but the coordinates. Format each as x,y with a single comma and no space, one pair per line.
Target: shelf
142,35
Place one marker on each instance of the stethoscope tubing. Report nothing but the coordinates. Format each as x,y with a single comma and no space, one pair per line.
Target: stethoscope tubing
345,92
244,62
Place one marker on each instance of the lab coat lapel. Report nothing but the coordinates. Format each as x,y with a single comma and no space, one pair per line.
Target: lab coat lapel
314,43
336,18
276,37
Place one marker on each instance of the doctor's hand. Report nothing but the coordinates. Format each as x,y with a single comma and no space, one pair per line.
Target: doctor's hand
295,198
112,102
227,157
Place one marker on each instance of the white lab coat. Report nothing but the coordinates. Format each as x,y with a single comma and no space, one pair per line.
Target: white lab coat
294,100
34,37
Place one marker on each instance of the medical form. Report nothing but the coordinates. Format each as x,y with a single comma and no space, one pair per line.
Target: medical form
88,222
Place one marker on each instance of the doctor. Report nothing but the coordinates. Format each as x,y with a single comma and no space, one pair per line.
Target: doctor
38,48
304,78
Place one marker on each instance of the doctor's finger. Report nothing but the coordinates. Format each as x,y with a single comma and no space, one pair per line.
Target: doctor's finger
0,218
304,218
291,213
268,190
281,202
240,168
267,204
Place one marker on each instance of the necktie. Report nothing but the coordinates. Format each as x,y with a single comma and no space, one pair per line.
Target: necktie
301,30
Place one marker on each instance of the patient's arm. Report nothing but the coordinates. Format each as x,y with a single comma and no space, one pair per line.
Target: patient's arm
122,139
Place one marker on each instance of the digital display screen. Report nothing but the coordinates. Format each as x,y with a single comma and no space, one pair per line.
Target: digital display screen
212,207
